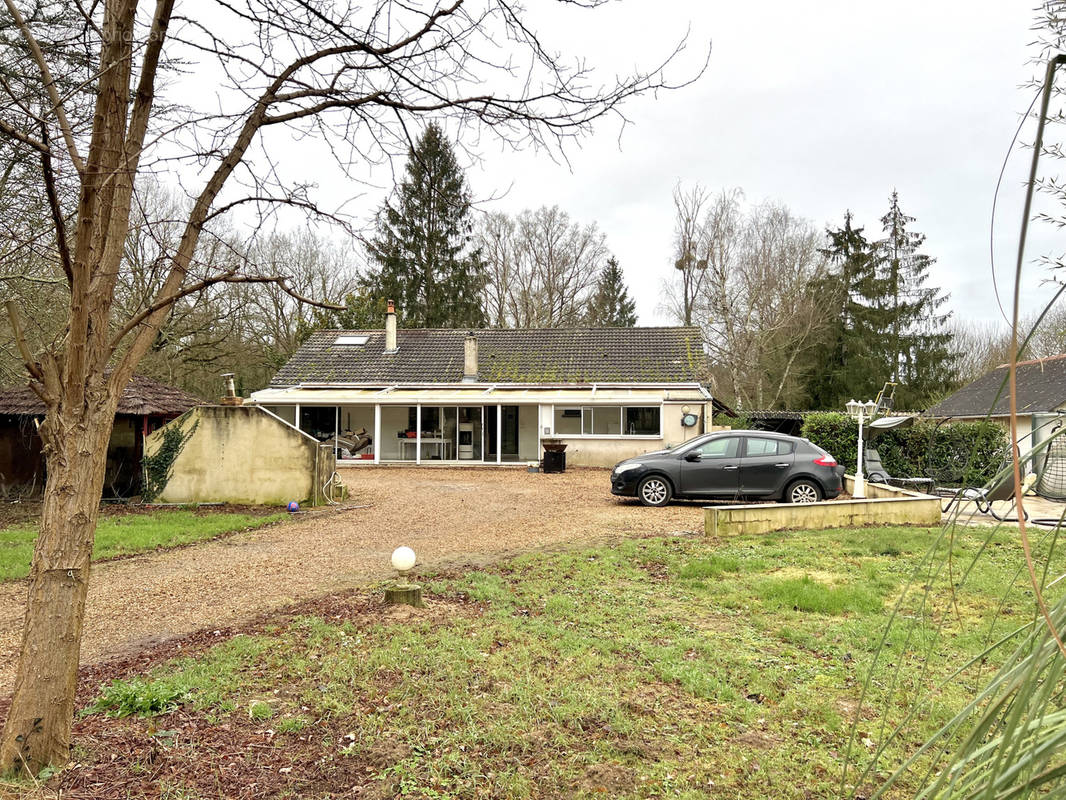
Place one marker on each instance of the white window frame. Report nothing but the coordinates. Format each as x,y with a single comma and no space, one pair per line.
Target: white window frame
621,411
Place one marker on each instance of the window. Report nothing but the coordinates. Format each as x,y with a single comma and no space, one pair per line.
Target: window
349,340
567,421
723,447
767,447
606,421
642,421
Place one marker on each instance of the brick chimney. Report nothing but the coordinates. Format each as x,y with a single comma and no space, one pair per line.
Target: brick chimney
470,359
390,328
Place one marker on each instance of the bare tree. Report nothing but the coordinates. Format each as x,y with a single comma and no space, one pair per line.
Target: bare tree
759,317
690,253
542,268
84,104
497,237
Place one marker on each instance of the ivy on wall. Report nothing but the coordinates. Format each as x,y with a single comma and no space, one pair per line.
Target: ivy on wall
159,467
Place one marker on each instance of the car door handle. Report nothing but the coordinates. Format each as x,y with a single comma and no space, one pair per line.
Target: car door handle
732,467
784,464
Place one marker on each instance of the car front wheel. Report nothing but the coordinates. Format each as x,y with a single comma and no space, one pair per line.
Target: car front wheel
803,492
654,491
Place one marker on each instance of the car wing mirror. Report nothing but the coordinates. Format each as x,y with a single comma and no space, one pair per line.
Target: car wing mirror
692,456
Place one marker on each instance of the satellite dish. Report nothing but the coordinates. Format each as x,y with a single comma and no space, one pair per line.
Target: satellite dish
689,420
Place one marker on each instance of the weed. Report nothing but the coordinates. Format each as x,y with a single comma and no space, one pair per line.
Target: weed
139,697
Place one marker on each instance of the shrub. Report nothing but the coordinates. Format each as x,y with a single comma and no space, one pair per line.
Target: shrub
955,454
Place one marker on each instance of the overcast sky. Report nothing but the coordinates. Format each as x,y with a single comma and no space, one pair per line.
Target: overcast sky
821,106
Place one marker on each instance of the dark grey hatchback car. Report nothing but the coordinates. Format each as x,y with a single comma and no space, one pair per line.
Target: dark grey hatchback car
732,464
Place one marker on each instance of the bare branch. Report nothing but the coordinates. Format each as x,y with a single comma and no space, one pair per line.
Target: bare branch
165,303
13,133
20,340
57,213
49,84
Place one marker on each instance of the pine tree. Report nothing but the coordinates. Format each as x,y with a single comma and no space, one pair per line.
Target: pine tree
611,306
851,361
423,249
918,351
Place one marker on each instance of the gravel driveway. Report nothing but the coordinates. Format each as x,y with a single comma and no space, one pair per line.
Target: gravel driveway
448,516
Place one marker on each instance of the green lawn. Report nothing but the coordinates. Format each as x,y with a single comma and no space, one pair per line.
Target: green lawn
659,667
132,533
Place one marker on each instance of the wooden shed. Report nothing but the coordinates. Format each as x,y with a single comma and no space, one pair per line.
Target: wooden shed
145,405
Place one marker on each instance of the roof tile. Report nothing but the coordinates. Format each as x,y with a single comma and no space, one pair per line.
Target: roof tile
536,355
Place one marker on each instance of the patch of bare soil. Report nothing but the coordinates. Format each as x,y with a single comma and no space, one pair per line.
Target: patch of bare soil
451,517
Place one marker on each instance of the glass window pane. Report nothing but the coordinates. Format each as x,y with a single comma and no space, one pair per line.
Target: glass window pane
607,420
724,447
586,421
567,421
765,447
642,421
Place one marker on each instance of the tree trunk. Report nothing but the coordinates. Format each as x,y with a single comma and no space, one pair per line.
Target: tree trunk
38,728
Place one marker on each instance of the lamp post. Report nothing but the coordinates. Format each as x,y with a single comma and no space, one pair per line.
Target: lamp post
860,411
403,592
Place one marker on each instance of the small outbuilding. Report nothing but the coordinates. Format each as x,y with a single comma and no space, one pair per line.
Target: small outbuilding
1041,399
145,405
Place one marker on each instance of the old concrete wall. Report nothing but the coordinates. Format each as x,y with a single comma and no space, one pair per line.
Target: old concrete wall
241,454
884,505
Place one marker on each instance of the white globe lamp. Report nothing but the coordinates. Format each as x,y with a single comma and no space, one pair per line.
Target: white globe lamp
403,561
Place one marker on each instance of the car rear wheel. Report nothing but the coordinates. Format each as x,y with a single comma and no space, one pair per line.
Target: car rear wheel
803,492
654,491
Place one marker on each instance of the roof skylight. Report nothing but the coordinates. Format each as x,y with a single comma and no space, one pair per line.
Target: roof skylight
352,340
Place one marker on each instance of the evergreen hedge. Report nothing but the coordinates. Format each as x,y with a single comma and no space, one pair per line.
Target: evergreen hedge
955,454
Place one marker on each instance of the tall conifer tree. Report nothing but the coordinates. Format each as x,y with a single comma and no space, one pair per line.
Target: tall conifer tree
918,351
851,362
611,306
424,252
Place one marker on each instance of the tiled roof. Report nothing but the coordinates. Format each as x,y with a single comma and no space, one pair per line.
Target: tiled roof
537,355
142,397
1041,388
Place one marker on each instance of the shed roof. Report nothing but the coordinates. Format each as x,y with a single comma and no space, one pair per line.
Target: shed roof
1041,388
515,356
142,397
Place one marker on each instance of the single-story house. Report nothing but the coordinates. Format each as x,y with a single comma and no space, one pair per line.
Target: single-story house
145,405
1041,399
493,396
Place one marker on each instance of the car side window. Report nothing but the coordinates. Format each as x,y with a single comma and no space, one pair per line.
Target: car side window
767,447
725,447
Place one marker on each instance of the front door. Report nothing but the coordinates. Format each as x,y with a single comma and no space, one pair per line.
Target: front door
713,469
765,465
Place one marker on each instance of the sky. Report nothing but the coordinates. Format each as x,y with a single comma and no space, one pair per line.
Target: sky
821,106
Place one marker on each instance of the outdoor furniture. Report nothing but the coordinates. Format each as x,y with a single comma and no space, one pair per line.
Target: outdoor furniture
876,473
984,497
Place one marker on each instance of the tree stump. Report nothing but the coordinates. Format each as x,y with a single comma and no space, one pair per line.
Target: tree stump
410,595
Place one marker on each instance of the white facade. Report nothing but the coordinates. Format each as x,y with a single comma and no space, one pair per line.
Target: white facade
466,423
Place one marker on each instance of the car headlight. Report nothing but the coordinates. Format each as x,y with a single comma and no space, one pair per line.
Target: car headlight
626,467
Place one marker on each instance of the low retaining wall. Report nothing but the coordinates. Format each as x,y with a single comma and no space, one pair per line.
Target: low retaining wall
883,505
